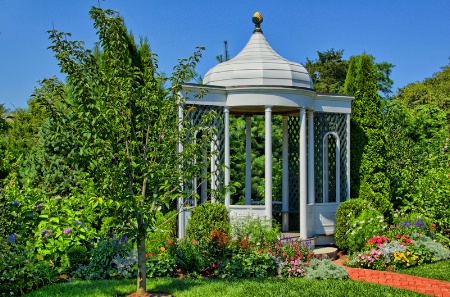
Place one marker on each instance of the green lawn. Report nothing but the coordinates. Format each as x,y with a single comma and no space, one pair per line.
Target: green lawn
248,287
439,270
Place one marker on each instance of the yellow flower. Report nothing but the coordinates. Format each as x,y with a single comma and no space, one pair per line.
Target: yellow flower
51,263
40,258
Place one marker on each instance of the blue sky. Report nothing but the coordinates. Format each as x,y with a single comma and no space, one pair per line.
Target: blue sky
413,35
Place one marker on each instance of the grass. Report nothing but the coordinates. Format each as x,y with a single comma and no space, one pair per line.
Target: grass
439,270
221,288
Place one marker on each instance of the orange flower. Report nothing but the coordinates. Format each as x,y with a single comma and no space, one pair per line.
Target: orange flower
260,251
162,249
148,255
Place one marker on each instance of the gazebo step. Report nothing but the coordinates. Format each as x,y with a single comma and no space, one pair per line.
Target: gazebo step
325,253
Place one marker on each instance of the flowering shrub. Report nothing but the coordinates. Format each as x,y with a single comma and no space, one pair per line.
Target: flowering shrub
254,264
293,257
162,264
367,225
372,259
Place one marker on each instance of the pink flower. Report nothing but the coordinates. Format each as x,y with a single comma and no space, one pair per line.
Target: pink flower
67,231
194,241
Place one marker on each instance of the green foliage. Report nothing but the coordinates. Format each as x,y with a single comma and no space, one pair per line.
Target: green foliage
347,211
21,271
367,224
254,264
162,265
418,129
368,148
206,218
190,255
437,250
325,269
255,230
164,232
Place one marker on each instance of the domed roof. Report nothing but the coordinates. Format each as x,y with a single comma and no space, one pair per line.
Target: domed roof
258,65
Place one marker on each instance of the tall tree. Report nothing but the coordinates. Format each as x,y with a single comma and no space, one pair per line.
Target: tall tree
329,72
368,144
124,120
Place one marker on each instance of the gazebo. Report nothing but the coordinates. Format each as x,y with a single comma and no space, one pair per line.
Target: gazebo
316,137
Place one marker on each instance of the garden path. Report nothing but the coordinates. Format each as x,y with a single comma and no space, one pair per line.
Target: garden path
397,280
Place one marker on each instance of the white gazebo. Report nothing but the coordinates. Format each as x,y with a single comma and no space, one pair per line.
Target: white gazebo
316,137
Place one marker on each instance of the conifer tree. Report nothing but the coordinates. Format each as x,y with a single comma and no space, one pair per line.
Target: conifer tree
368,144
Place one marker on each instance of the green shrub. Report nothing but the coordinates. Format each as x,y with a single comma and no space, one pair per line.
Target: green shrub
255,230
325,269
206,218
345,213
368,224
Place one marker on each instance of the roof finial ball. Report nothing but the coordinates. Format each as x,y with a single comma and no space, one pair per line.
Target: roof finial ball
257,20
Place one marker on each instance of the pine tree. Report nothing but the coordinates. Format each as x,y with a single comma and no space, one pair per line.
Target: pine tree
368,144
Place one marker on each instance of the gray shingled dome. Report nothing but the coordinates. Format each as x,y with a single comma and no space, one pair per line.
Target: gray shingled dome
258,65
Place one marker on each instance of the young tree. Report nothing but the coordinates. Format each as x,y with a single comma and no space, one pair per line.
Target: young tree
125,123
368,144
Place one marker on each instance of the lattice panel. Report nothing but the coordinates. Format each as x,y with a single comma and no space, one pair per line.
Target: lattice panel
324,123
294,180
194,117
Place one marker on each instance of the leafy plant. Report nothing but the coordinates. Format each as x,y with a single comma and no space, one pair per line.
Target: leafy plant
160,265
126,266
254,264
255,230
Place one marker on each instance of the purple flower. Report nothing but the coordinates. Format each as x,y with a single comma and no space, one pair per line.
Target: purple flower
46,233
39,206
12,238
15,203
78,223
124,239
67,231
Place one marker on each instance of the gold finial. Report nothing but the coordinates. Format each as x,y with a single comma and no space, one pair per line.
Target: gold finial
257,20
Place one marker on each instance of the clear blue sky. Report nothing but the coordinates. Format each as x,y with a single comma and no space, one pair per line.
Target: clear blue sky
413,35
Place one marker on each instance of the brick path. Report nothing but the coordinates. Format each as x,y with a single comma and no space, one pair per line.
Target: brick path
397,280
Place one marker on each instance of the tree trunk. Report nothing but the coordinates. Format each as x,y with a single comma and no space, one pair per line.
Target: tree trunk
142,272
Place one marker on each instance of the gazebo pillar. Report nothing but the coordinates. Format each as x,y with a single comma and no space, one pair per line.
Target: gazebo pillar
227,156
268,162
311,179
285,178
303,176
248,160
348,156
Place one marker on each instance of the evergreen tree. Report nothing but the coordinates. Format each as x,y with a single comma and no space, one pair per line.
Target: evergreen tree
368,144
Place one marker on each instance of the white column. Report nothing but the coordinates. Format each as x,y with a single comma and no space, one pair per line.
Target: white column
348,156
311,178
303,176
180,207
248,160
268,162
227,156
285,178
213,167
